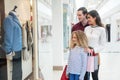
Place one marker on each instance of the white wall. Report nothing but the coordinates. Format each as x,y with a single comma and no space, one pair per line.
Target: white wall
23,9
57,10
110,13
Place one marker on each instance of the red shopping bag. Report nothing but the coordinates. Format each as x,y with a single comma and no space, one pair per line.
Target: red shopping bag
64,77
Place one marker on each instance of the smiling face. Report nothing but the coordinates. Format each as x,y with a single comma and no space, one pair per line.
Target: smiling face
91,20
81,16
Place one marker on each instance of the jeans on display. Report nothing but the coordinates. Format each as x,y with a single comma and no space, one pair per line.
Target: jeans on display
17,66
3,69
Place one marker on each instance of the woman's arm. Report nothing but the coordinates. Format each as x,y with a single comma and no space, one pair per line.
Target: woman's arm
102,42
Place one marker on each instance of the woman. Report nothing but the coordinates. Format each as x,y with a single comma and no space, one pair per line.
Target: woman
96,38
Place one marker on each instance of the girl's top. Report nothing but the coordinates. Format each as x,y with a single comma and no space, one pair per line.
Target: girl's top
77,62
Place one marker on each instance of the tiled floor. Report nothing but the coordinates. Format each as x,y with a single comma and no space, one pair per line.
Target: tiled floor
109,68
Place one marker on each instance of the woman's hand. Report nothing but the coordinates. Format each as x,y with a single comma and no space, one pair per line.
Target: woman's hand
88,50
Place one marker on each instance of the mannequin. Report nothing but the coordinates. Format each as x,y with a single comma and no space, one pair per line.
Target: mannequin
13,43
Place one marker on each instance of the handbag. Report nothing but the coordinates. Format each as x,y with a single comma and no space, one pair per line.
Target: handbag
64,77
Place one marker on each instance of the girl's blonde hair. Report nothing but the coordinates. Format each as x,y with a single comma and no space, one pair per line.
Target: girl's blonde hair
81,38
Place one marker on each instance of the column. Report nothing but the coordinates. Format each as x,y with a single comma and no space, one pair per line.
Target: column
57,33
35,41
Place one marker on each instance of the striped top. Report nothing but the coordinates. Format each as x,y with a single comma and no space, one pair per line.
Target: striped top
77,62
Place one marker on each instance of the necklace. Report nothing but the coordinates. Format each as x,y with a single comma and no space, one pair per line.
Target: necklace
92,28
91,31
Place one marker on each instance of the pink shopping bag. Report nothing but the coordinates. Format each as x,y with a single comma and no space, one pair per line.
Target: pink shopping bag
90,64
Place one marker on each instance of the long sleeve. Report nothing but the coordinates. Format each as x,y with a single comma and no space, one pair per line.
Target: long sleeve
84,65
25,52
30,40
96,38
67,70
24,37
8,35
12,34
77,62
102,42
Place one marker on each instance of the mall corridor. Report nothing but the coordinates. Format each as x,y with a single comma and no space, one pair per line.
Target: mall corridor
46,32
109,65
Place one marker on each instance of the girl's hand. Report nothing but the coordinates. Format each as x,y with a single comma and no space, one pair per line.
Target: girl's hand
87,50
67,76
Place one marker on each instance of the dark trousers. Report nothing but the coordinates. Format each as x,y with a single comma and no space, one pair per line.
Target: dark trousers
17,66
94,75
3,69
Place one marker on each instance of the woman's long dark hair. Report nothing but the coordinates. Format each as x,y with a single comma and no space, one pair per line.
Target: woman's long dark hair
95,14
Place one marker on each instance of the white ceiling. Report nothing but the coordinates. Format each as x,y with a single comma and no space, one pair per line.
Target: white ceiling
89,4
104,7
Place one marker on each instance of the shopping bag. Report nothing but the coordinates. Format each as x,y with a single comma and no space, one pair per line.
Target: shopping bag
64,77
96,58
90,63
95,62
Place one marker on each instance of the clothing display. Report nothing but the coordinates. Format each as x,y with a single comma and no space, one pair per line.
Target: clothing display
27,41
12,33
13,63
13,43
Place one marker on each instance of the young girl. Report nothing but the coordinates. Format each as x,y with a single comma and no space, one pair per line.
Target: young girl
78,56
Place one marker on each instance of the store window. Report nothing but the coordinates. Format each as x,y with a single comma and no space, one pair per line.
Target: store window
45,32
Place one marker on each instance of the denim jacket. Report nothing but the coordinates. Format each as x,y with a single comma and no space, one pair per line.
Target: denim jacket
12,34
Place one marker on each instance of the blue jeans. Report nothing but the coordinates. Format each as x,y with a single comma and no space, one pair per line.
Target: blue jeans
17,66
73,76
